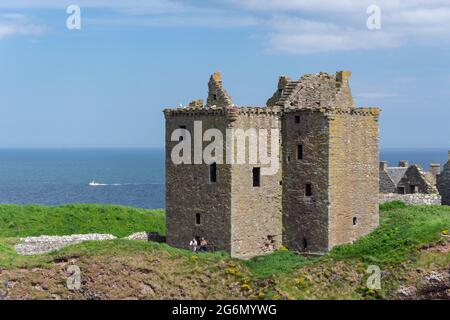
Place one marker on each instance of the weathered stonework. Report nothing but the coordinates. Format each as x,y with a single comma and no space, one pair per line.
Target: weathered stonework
413,199
443,183
387,185
406,179
416,180
189,192
327,197
353,175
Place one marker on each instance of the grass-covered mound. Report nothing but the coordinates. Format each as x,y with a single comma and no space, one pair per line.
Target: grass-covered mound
22,221
403,230
407,246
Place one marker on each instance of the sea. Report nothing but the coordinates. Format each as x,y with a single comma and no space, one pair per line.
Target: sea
129,177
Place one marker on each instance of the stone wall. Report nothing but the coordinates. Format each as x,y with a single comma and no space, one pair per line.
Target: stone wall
353,175
326,196
319,91
415,176
415,199
386,183
443,183
189,192
305,218
255,211
44,244
217,95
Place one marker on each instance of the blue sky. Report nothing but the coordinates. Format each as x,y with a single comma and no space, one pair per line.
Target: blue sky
106,84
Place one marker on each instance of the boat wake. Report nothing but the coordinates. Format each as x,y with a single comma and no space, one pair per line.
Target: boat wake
94,183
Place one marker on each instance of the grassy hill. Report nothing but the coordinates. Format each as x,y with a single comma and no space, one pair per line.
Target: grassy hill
22,221
408,246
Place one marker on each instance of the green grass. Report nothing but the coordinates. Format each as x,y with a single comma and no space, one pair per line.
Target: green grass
392,205
21,221
403,230
281,262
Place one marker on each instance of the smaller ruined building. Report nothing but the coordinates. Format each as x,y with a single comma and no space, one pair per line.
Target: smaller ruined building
408,179
443,183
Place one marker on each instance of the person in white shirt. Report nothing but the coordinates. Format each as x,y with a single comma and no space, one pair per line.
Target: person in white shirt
193,245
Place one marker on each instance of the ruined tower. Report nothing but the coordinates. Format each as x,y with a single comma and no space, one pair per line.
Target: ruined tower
323,193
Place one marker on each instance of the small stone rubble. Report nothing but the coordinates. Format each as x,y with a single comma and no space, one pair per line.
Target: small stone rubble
138,236
44,244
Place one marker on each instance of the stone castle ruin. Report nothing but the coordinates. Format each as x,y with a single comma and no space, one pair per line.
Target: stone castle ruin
410,184
325,192
443,182
408,179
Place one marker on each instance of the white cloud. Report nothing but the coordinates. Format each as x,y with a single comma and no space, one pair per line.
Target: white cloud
311,26
176,21
18,24
288,26
154,6
293,35
341,6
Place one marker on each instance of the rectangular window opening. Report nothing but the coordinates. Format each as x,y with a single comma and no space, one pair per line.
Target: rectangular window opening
299,152
297,119
213,172
256,177
182,137
198,219
305,243
355,220
308,190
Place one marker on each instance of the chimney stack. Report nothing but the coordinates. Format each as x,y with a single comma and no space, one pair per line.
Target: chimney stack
435,168
383,165
403,163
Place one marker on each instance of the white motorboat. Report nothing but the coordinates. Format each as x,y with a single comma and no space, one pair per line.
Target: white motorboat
94,184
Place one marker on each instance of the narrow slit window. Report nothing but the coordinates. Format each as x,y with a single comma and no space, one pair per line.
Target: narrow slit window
256,177
182,137
198,219
308,190
355,220
299,152
213,172
297,119
305,243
